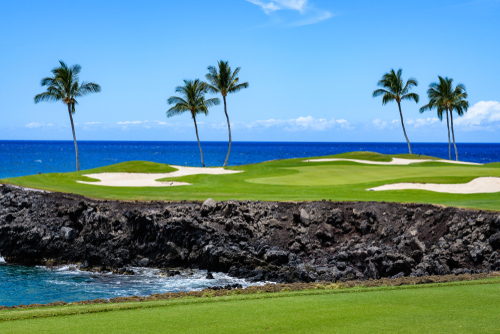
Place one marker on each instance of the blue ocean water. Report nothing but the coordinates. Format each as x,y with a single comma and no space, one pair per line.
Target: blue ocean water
30,285
18,158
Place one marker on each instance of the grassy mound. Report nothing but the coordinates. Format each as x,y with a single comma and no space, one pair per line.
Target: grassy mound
289,180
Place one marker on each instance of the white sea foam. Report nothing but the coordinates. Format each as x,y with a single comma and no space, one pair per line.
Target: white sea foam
145,281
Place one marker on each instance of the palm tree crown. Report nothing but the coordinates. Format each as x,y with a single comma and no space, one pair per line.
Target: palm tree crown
223,80
444,98
192,101
395,89
64,86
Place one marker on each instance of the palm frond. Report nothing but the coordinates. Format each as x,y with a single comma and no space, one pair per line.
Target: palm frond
411,96
87,88
388,98
212,102
237,88
47,96
379,92
176,100
178,109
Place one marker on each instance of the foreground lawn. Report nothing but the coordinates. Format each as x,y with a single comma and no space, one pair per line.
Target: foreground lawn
289,180
447,308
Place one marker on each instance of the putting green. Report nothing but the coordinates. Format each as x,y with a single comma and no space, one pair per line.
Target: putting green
336,173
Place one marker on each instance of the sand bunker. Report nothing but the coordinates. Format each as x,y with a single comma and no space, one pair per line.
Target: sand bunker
476,186
395,161
149,179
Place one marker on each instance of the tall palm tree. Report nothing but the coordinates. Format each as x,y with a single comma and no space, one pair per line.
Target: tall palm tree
193,100
395,89
444,97
222,80
64,86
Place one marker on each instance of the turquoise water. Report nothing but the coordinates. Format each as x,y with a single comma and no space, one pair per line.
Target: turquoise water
30,285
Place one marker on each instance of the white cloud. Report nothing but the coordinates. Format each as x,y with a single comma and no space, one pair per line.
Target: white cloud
483,115
312,15
411,122
307,123
129,122
275,5
418,122
92,123
380,124
38,125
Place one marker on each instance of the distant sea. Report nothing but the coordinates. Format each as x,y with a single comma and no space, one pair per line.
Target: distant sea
18,158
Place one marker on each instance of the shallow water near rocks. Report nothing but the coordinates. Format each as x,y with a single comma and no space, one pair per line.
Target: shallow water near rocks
30,285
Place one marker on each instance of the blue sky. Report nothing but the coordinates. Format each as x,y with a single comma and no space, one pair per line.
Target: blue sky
312,66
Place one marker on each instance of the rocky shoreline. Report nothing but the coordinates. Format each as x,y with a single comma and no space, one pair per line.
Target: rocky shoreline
273,241
236,289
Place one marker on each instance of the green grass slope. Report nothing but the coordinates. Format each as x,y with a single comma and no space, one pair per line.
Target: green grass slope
445,308
289,180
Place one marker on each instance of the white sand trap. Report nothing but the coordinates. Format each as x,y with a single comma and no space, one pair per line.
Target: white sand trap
149,179
395,161
476,186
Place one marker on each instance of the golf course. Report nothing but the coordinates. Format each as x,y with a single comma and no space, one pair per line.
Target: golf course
288,180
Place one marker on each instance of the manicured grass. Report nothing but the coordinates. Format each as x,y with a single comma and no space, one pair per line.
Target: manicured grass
457,307
289,180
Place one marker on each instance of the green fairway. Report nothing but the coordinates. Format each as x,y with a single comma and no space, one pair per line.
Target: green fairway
446,308
289,180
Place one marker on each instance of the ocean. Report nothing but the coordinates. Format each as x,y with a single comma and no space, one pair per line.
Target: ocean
28,285
38,284
20,158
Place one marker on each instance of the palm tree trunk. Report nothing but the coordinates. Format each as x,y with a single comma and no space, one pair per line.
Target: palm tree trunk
197,137
74,138
229,129
449,141
453,135
404,130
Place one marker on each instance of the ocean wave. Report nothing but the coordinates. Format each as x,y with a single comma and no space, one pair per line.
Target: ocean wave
69,283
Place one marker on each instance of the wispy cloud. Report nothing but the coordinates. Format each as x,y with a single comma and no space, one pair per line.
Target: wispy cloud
91,123
418,122
129,122
484,115
38,125
309,13
303,123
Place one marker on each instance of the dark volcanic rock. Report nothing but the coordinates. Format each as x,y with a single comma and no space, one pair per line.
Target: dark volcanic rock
283,242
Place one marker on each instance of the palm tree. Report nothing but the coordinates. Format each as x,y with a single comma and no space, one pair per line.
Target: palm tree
64,86
444,97
193,101
222,80
394,89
